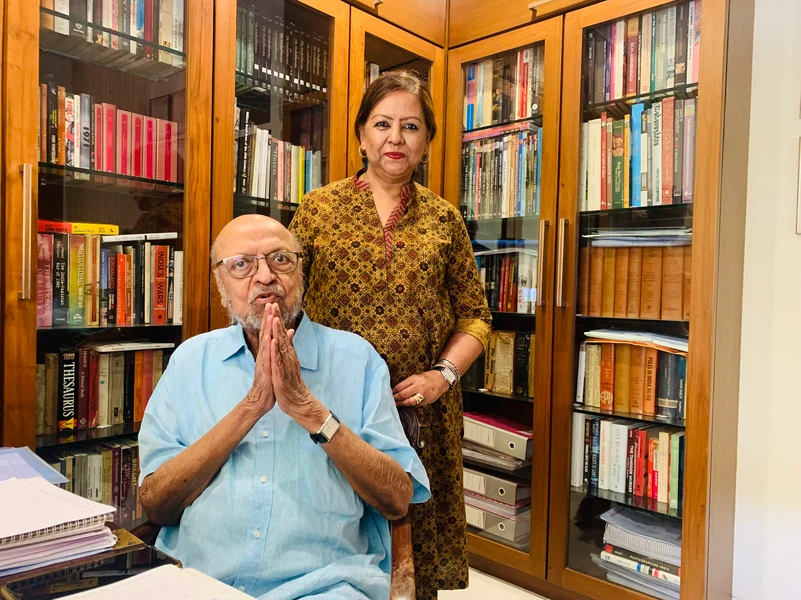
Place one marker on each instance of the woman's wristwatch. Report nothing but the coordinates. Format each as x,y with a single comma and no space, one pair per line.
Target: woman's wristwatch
449,371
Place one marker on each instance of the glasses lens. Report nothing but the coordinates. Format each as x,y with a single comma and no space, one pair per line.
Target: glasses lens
282,262
240,266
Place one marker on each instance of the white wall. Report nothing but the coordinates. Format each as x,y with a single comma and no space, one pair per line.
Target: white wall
767,561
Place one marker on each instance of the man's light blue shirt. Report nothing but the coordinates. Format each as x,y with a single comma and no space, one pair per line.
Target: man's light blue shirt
279,520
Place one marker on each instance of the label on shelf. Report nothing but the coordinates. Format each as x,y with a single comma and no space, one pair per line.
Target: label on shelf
475,517
475,483
479,434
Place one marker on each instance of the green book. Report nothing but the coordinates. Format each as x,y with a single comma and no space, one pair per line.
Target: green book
675,461
76,280
618,164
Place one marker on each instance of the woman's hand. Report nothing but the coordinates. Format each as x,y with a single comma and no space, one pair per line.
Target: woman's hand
431,385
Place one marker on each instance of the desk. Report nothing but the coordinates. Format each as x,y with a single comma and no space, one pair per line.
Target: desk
128,557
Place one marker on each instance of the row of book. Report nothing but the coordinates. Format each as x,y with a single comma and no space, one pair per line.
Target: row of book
157,23
77,131
507,366
107,280
105,472
502,172
632,379
644,159
509,278
505,88
267,167
641,551
281,54
97,385
635,459
635,283
643,53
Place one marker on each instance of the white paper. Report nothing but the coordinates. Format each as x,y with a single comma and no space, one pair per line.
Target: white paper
23,463
168,581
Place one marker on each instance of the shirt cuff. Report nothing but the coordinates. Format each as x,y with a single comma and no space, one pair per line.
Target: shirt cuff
476,327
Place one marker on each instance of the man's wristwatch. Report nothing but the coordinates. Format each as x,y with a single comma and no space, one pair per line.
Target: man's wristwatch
327,431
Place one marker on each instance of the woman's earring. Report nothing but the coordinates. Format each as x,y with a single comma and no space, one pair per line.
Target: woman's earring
426,157
362,152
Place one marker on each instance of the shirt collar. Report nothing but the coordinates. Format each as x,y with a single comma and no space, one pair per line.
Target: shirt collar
305,341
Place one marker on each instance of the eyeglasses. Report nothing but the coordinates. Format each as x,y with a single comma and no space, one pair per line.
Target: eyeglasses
246,265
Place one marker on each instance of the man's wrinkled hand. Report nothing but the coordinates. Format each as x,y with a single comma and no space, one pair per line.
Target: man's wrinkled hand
261,396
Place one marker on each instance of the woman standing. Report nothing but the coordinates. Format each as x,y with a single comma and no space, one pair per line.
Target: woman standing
390,260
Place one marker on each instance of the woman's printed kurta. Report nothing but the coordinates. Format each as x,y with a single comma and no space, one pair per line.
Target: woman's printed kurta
405,288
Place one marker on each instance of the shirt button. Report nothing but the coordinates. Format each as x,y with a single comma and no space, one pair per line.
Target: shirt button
241,588
265,433
257,534
264,479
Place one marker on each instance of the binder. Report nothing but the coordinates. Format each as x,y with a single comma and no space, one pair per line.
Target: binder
510,529
496,488
500,434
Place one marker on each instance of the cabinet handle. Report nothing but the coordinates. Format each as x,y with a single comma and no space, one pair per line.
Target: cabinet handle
27,209
542,244
536,4
377,2
560,265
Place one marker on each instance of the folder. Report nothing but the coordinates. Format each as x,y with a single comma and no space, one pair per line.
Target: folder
503,435
511,529
496,488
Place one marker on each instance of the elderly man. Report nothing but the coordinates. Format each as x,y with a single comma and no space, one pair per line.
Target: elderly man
272,451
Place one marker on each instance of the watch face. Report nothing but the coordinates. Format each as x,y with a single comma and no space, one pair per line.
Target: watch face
448,376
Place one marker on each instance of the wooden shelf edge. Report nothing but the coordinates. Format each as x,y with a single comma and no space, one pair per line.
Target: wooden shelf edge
497,552
599,589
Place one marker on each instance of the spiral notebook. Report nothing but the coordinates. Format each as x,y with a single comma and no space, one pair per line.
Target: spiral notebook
33,510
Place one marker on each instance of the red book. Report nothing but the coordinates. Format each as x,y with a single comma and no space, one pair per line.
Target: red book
607,377
82,404
161,148
171,153
148,27
640,462
160,267
122,286
149,148
109,142
123,149
632,62
137,142
44,281
97,142
93,391
147,378
604,201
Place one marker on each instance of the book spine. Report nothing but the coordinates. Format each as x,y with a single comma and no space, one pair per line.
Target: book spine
44,280
607,377
77,249
160,286
82,390
651,381
595,458
67,380
60,279
129,372
688,168
94,376
640,461
668,389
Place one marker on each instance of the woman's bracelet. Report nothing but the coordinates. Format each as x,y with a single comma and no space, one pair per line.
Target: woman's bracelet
444,362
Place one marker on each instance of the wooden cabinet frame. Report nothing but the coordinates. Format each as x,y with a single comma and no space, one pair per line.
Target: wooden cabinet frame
534,562
222,207
362,24
21,113
715,310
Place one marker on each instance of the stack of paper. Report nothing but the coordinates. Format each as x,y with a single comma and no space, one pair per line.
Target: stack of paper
168,581
624,238
642,551
41,524
23,463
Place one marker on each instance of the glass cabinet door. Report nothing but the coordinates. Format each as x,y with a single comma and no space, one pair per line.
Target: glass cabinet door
624,330
279,108
378,47
501,167
101,152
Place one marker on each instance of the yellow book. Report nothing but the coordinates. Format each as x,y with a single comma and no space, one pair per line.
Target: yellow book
95,228
301,174
139,363
622,378
76,276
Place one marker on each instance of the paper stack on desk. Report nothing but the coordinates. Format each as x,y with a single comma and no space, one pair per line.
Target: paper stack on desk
41,524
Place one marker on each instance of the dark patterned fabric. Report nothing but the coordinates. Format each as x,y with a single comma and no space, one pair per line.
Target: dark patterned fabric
406,302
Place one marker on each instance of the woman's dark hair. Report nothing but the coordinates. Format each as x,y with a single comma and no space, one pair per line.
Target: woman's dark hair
397,81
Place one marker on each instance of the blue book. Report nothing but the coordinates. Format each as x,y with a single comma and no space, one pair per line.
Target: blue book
539,170
471,107
608,65
103,286
635,199
682,386
309,164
